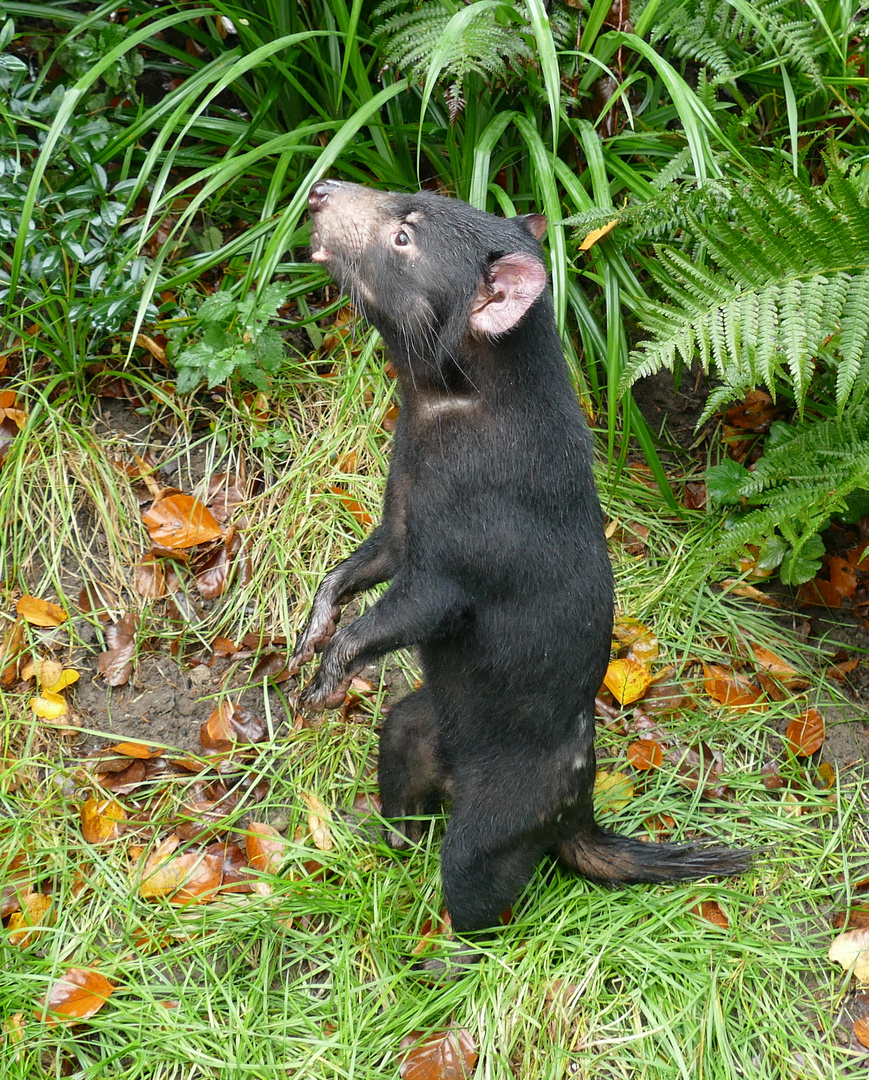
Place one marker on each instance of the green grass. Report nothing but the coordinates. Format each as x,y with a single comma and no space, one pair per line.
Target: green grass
315,977
310,977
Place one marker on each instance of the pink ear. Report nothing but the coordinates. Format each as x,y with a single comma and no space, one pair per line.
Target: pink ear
536,225
515,281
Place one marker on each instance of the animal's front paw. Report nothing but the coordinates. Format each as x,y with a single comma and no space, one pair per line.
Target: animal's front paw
318,633
325,691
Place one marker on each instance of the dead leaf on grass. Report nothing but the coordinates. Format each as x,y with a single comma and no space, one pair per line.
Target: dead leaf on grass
843,576
728,688
441,1055
116,663
266,848
626,680
851,950
711,911
150,578
49,707
26,924
612,791
102,820
75,997
100,599
699,767
645,754
351,505
806,733
11,652
176,520
40,612
230,724
318,821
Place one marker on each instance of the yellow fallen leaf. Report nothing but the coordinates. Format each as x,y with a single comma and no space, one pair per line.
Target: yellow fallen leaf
49,671
28,923
40,612
66,678
626,680
598,234
612,791
49,706
102,820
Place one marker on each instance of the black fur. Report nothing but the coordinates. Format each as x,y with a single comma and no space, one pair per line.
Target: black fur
492,539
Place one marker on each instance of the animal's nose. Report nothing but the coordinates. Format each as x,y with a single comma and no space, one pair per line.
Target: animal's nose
318,195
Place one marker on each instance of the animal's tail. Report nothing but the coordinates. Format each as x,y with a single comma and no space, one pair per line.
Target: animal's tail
601,855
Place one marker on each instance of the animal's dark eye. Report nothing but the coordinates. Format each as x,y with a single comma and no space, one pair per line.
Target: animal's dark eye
401,239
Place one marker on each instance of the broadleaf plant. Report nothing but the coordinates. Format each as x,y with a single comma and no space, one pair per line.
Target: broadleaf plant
230,339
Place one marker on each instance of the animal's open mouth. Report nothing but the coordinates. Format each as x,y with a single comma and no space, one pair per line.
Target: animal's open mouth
319,252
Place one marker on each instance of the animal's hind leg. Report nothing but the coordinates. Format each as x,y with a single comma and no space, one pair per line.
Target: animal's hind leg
482,878
410,771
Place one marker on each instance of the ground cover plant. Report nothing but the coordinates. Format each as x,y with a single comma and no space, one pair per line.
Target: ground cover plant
194,428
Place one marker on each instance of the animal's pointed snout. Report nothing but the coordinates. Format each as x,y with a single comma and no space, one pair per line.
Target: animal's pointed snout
318,194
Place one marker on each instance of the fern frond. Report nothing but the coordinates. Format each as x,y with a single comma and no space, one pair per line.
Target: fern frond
853,374
486,47
774,296
806,475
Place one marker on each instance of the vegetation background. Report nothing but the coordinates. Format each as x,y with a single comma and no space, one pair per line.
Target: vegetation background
704,169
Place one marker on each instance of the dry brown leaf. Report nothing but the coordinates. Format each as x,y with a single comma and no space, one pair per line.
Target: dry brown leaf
266,848
102,820
750,592
626,680
116,663
15,884
40,612
202,878
754,413
806,733
851,950
441,1055
699,767
150,579
711,911
11,652
431,930
772,663
136,750
352,506
100,599
230,724
819,593
76,996
156,346
212,573
771,776
855,918
177,520
843,576
861,1031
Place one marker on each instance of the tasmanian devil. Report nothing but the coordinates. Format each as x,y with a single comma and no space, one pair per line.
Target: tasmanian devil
492,539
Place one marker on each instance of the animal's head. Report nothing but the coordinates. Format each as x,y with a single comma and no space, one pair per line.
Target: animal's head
427,270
